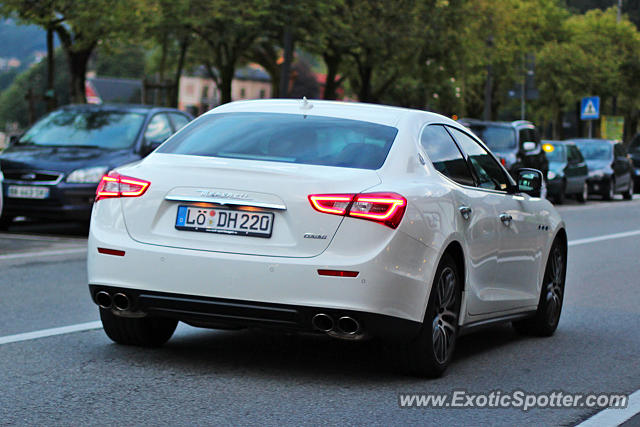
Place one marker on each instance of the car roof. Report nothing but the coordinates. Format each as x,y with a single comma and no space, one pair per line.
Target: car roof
610,141
133,108
470,121
558,142
382,114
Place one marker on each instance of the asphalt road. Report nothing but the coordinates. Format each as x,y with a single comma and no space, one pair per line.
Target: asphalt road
205,377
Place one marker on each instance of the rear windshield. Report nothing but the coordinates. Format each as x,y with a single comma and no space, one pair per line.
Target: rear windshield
104,129
287,138
497,138
595,150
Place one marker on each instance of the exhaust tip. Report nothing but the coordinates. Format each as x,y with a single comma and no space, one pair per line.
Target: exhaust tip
103,299
348,325
121,301
322,322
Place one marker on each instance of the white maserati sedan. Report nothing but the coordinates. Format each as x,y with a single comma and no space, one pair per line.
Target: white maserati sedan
345,219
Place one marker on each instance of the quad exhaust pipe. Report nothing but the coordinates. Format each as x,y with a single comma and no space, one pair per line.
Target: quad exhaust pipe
322,322
103,299
121,302
346,327
118,301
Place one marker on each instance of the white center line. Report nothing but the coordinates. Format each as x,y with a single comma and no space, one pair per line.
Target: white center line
50,332
605,237
615,417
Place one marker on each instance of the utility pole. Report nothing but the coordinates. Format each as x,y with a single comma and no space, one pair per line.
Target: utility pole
524,87
619,11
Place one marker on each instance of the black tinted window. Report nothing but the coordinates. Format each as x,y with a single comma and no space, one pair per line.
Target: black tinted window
444,154
289,138
489,173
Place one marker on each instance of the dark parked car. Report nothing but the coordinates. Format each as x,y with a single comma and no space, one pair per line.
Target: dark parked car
634,152
610,167
568,171
516,144
52,171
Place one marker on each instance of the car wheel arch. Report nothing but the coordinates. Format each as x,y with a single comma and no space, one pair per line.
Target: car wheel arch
455,250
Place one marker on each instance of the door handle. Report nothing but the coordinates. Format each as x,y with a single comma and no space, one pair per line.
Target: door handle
505,218
465,211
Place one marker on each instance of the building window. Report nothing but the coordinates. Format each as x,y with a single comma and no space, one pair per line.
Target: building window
263,93
205,92
243,93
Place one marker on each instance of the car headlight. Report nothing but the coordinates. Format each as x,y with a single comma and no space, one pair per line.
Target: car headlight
637,172
87,175
596,174
551,175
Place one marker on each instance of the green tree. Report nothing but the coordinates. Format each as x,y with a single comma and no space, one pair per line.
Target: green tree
80,26
226,33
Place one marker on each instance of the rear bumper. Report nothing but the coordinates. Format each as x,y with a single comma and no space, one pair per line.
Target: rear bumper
394,279
65,201
221,313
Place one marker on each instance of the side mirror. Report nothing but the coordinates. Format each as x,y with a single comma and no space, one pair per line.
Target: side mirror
530,181
13,139
529,146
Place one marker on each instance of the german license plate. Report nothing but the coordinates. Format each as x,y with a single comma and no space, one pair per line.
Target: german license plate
27,192
225,221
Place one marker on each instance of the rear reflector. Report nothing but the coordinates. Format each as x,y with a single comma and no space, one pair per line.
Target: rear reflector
338,273
385,208
107,251
116,185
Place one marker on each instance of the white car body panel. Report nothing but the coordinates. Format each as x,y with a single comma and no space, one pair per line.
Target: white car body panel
503,266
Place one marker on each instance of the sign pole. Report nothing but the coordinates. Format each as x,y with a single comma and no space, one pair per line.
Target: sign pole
590,111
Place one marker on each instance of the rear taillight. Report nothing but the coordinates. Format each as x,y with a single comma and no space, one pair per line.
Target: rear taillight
116,185
385,208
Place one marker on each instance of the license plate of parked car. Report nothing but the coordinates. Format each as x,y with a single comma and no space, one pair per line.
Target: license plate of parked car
27,192
225,221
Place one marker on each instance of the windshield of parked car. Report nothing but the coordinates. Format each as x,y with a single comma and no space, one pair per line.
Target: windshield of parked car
497,138
288,138
104,129
595,150
557,155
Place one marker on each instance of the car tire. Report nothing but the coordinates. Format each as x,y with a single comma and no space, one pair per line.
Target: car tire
584,195
559,198
142,331
610,190
545,321
628,195
429,354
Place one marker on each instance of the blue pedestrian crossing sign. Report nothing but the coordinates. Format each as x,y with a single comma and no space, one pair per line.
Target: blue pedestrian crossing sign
590,108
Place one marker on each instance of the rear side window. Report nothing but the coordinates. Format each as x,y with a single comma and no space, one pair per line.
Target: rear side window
445,155
287,138
489,173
